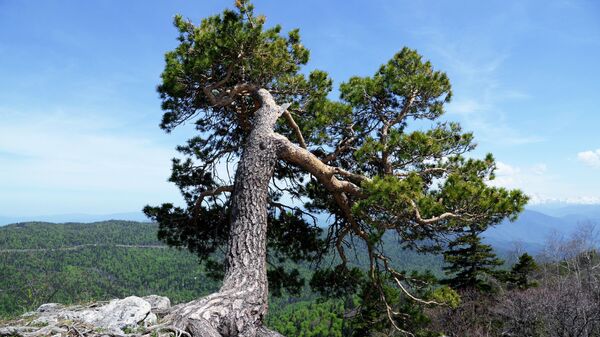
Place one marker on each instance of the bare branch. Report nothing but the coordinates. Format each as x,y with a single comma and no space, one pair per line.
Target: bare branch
424,172
432,220
397,276
216,191
358,178
344,145
290,120
390,312
407,105
283,208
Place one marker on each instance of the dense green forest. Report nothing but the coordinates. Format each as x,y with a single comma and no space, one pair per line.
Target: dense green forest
76,263
70,263
31,235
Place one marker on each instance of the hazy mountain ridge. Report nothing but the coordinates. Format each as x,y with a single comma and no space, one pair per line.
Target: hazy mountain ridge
539,223
75,218
561,210
530,231
44,235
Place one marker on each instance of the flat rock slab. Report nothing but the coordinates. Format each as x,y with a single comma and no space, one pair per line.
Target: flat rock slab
118,317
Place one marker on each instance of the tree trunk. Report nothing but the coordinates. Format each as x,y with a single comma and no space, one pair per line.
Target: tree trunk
241,303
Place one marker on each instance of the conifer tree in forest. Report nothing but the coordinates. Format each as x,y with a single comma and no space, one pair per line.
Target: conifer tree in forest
470,262
273,151
520,273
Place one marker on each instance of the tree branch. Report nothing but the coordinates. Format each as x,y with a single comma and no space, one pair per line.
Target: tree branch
343,145
216,191
407,105
432,220
397,276
385,128
325,174
303,158
231,94
424,172
290,120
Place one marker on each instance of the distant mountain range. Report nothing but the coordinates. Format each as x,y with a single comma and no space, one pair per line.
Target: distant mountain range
76,217
539,222
570,211
530,231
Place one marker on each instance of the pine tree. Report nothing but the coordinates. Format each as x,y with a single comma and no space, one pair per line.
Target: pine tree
521,272
470,262
297,153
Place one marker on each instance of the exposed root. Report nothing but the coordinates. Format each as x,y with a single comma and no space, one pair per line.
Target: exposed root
165,327
233,312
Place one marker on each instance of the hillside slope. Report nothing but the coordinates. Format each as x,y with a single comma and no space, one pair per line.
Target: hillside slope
70,263
532,229
73,262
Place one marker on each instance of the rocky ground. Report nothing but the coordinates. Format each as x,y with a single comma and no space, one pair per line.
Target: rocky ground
128,317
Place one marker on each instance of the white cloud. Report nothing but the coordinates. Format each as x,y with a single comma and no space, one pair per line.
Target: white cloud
541,184
527,178
504,169
57,163
465,107
539,169
538,199
482,96
507,176
590,158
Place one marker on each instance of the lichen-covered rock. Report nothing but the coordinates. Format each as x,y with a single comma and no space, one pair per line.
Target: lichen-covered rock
113,317
158,303
120,317
48,307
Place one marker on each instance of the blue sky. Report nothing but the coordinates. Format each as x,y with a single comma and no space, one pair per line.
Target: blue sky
79,111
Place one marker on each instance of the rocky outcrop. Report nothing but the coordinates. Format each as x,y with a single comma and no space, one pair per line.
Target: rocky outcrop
131,316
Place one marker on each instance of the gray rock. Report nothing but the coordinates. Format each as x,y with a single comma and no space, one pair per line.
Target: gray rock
113,317
119,314
131,314
49,307
158,303
150,320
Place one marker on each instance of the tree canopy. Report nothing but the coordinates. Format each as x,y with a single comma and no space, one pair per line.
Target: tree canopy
357,160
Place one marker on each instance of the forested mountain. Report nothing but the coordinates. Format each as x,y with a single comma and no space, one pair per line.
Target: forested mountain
43,262
31,235
532,228
74,217
74,262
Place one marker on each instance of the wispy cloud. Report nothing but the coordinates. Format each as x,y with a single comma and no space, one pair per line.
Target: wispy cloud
475,64
590,158
536,199
80,161
480,105
541,184
528,178
539,169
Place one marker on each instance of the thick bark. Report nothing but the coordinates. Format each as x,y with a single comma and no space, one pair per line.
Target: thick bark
240,305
